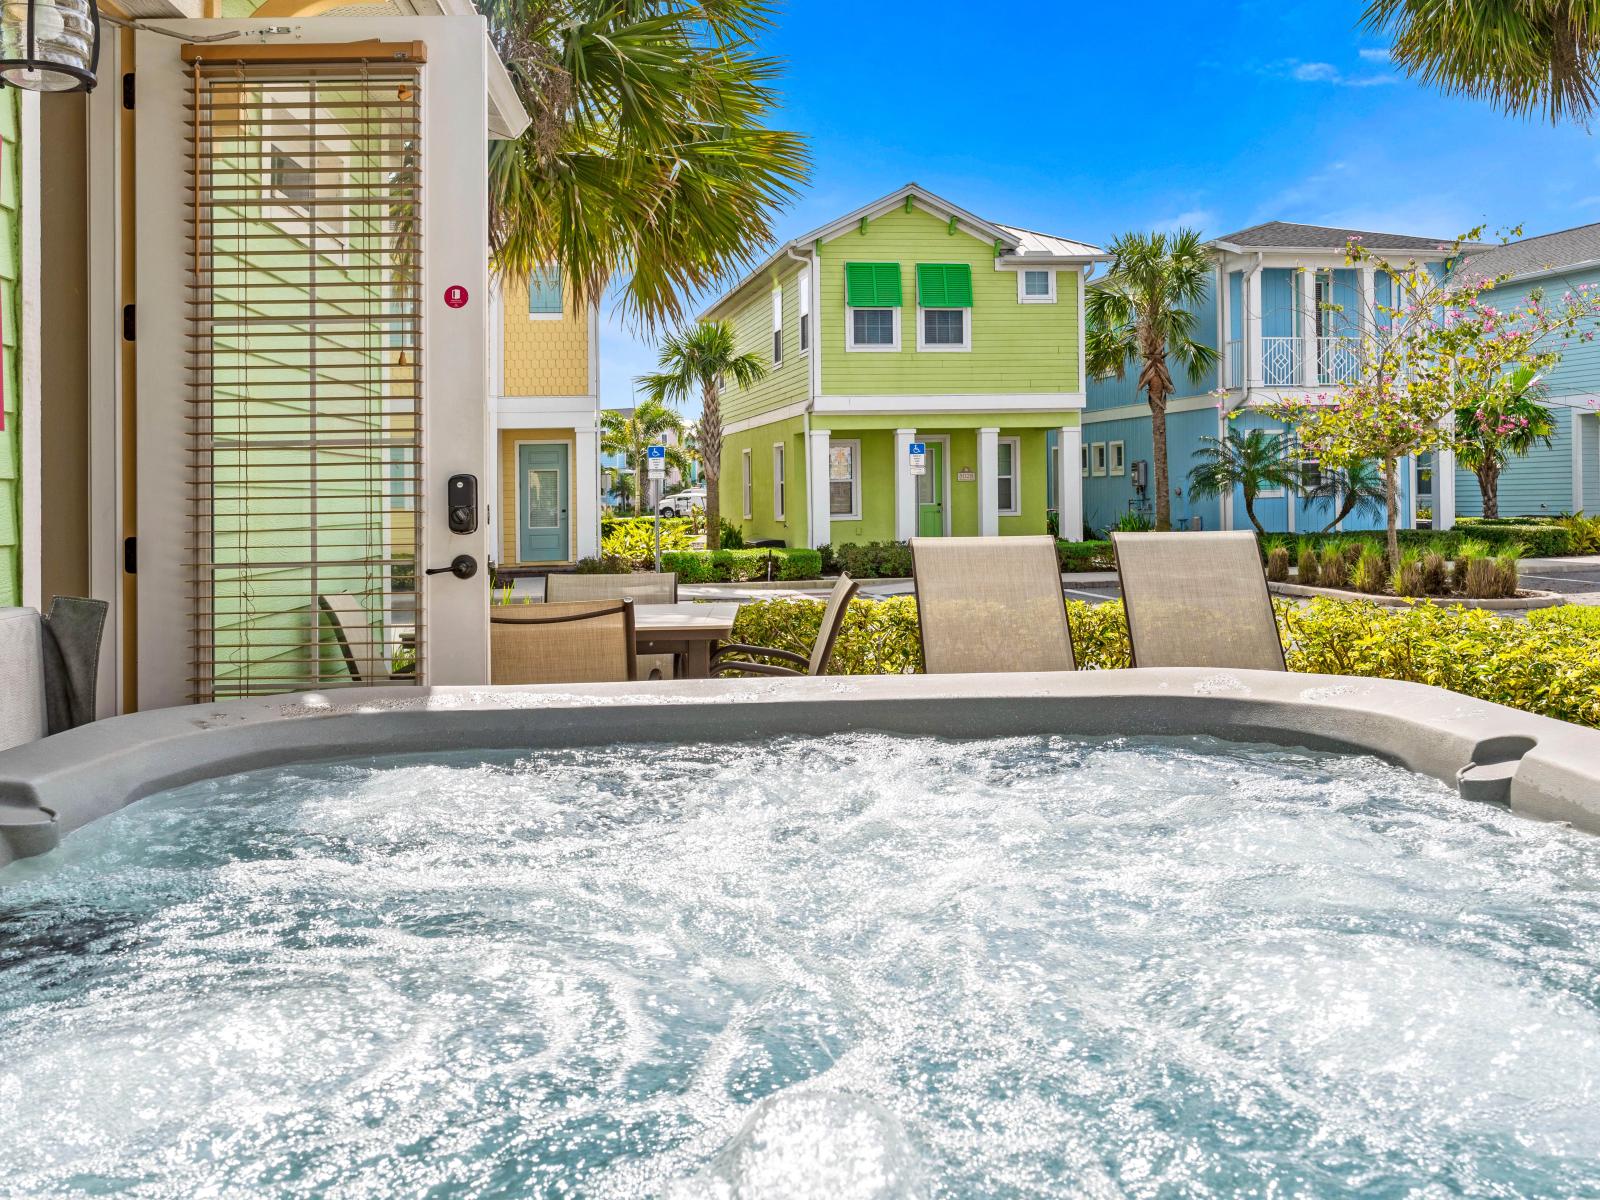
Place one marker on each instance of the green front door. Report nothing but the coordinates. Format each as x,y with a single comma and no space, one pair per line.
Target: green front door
542,503
930,493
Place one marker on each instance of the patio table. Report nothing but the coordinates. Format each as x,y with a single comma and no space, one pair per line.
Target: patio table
687,630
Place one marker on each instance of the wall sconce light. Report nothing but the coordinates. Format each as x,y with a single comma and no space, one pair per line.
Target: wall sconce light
49,45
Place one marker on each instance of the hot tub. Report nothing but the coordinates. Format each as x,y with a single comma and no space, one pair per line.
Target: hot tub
1123,933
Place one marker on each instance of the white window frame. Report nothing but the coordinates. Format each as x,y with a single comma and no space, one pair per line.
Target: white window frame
777,325
1084,448
327,236
855,480
1016,477
1097,459
850,333
779,481
548,316
1117,458
748,483
1022,285
805,311
965,345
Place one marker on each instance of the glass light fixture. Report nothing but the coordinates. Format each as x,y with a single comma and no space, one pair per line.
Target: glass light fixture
49,45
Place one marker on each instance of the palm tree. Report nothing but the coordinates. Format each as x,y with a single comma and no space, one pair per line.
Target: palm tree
1143,311
647,153
631,436
1521,55
701,361
1356,488
1491,429
1254,461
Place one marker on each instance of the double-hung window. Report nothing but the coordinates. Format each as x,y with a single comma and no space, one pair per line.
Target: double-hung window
1036,287
1119,464
872,298
805,310
944,306
778,499
844,480
544,292
1010,477
777,326
1098,458
747,490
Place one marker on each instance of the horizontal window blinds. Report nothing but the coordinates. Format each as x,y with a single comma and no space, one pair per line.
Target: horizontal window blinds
944,285
305,358
872,285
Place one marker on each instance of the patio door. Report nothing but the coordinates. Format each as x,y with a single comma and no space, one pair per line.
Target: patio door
311,350
542,502
930,493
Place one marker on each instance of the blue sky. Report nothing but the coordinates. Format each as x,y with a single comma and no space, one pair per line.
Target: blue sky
1088,119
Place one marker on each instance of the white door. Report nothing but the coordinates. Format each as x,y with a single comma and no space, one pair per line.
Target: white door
311,342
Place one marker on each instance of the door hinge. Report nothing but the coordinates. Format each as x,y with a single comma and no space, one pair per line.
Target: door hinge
127,90
130,555
127,323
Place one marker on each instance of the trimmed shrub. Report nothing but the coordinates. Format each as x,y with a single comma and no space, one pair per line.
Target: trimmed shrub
1406,579
1548,664
1334,569
1435,573
1086,556
869,560
605,566
1583,532
1371,572
1278,564
1307,567
1538,541
742,566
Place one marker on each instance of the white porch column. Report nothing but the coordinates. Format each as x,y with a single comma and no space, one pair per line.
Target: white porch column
1225,501
905,486
1444,489
586,473
1307,365
1367,301
819,525
1225,370
1252,328
988,482
1069,483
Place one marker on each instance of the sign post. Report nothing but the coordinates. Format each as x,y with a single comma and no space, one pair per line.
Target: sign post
656,459
919,457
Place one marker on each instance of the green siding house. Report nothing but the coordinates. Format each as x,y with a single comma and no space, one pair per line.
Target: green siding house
907,321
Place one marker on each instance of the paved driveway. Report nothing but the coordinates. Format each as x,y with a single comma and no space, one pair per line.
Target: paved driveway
1577,577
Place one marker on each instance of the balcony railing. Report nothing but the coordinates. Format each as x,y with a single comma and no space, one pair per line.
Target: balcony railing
1280,361
1337,360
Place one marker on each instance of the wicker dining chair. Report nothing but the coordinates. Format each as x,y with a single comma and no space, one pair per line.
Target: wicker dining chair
586,641
1197,600
990,604
642,587
735,657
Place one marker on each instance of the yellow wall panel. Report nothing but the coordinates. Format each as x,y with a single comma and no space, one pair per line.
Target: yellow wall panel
544,356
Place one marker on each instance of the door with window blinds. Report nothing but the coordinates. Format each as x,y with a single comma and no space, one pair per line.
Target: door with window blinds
305,398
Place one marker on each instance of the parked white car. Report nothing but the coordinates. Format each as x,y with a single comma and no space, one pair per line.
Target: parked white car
680,504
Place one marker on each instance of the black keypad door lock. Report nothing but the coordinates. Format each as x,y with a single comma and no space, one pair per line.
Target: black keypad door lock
462,566
463,500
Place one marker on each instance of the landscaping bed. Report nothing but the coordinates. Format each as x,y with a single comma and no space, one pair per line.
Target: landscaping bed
1548,664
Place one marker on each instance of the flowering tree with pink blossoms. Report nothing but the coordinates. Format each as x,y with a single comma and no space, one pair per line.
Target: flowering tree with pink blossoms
1439,369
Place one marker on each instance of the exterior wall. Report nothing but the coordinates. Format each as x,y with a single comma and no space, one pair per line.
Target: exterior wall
507,500
1106,498
1016,348
1590,429
764,522
543,356
11,377
1111,392
1539,485
752,331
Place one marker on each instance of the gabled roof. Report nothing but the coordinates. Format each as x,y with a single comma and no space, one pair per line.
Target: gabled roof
1017,243
1573,247
1287,235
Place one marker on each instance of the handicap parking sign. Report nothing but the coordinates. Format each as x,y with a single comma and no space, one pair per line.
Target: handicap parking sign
919,457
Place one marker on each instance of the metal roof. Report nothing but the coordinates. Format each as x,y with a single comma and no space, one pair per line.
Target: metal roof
1530,256
1287,235
1029,241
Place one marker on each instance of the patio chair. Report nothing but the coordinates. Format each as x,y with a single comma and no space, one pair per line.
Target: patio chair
642,587
990,604
734,658
1197,600
586,641
361,650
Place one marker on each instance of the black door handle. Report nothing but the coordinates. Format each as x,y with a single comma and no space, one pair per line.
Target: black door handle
462,566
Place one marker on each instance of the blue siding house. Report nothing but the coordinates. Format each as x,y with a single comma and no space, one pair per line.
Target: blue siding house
1264,312
1566,476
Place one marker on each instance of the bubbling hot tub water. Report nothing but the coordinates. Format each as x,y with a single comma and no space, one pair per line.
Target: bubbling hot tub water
820,967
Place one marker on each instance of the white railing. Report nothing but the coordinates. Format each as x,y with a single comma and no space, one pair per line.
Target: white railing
1338,359
1280,361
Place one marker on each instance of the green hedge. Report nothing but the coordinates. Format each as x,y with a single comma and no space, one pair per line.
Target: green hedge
742,566
1548,665
1536,541
892,560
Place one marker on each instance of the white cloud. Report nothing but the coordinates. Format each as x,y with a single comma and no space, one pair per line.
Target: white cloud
1325,72
1371,54
1201,219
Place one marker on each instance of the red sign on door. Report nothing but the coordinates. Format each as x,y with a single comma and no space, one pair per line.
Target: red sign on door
455,296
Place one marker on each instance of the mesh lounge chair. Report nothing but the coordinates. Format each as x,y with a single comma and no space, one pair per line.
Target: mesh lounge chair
1197,600
990,604
586,641
642,587
734,658
352,630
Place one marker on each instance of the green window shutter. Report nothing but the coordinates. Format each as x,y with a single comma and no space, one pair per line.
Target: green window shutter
872,285
944,285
